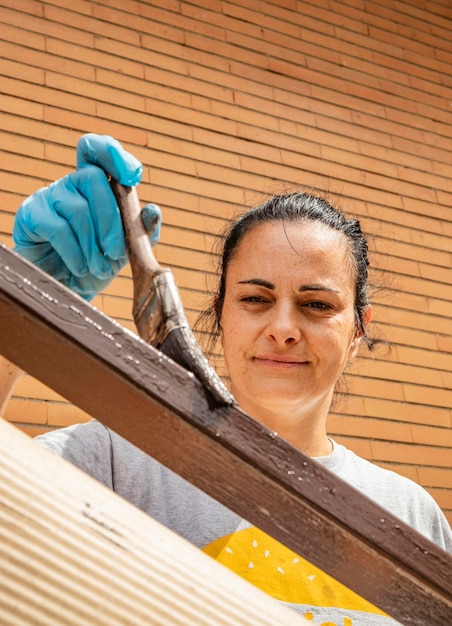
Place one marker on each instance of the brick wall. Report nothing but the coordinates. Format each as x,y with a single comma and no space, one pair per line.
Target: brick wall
226,102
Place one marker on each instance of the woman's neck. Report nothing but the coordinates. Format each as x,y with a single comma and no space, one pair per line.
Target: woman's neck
304,429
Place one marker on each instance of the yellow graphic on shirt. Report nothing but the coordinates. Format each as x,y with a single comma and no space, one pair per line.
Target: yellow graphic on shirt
280,572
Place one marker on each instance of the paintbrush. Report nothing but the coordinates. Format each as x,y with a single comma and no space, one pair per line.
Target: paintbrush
157,307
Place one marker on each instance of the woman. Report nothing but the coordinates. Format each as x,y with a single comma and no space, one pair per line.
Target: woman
291,311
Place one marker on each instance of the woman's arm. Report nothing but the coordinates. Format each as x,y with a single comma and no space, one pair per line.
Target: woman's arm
9,376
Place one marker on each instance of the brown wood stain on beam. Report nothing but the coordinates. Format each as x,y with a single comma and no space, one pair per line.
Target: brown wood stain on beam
138,392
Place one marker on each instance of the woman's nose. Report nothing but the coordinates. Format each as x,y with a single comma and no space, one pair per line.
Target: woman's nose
283,327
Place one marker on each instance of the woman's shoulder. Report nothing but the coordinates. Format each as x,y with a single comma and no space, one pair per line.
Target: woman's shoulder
398,494
91,447
75,438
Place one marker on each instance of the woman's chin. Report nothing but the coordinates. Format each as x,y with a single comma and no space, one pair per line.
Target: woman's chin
273,399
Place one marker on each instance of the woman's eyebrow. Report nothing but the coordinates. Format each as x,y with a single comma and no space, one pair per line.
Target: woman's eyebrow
257,281
318,288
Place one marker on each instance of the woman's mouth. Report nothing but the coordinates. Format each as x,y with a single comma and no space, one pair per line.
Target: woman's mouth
283,361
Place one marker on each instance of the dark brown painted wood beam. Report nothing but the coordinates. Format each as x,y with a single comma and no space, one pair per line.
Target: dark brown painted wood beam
145,397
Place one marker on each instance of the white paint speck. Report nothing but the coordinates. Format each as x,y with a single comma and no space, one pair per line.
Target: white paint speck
254,543
267,553
229,550
251,564
280,570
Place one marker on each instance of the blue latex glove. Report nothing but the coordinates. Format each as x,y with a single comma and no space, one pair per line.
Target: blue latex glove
73,229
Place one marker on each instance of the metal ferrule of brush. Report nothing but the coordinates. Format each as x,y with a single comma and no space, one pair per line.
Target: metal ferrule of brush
163,308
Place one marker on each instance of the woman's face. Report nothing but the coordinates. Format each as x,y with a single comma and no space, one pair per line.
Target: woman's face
288,322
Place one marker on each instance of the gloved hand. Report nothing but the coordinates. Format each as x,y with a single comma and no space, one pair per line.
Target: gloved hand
73,229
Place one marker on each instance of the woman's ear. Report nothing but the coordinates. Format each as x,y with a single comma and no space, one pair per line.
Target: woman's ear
356,341
367,317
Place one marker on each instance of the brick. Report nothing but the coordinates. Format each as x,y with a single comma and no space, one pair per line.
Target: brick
440,290
121,25
211,190
168,86
170,5
425,239
64,99
435,477
26,6
443,497
83,7
404,336
33,167
29,147
385,408
191,117
210,5
374,388
20,107
46,26
412,320
410,453
50,59
23,410
398,372
444,343
70,88
194,151
347,126
426,358
118,308
29,387
439,307
181,17
16,35
65,414
423,395
21,71
121,287
83,124
37,129
6,222
27,185
7,241
235,47
430,152
408,160
432,436
253,21
310,23
369,428
358,446
281,43
428,260
8,203
84,60
33,431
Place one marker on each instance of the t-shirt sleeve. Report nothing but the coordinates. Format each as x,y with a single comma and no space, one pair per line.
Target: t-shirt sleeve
400,496
87,446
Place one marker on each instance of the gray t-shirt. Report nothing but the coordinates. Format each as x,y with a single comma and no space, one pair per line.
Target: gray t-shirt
222,534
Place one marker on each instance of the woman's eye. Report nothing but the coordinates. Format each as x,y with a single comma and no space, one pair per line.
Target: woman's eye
321,306
253,299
